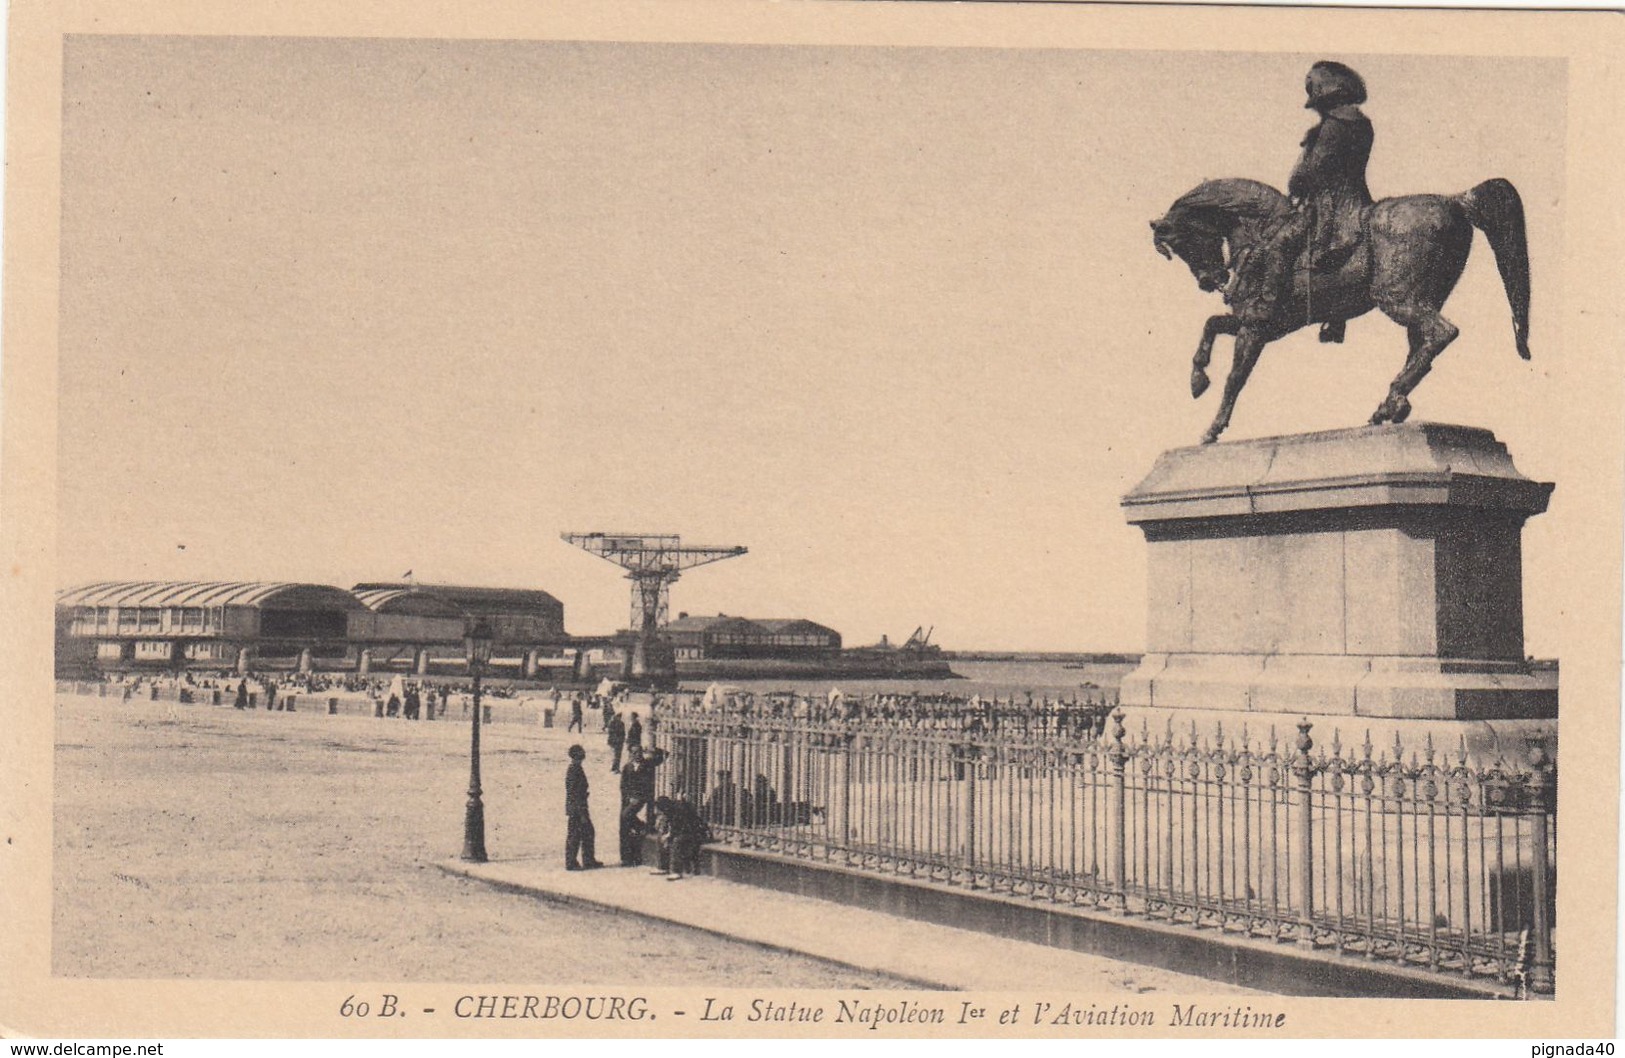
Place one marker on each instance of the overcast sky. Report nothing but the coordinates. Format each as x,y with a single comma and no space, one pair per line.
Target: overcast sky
891,318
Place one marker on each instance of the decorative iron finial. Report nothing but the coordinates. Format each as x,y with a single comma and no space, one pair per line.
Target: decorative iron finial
1305,743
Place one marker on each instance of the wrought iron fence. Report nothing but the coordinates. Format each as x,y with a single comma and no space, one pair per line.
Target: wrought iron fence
1413,856
1015,714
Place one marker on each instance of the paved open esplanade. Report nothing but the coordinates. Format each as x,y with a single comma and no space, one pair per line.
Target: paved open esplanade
1374,572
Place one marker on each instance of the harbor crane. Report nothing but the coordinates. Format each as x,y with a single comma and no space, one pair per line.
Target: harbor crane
653,561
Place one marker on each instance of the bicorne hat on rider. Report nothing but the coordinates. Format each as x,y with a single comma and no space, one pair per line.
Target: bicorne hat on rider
1331,84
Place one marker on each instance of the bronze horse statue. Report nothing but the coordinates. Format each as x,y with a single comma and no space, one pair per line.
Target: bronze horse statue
1414,250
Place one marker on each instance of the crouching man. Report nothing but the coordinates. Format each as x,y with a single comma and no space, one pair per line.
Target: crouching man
682,832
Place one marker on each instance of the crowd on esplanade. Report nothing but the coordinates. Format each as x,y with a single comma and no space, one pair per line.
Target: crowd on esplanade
1024,711
393,695
409,697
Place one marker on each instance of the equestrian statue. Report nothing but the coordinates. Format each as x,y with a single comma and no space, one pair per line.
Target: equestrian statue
1329,253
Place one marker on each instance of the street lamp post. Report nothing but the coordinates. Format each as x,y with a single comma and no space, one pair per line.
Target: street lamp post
477,645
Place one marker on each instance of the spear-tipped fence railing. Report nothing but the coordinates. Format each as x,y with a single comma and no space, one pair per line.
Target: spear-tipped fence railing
1410,855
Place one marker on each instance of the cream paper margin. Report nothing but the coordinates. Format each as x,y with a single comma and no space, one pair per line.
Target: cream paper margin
34,1002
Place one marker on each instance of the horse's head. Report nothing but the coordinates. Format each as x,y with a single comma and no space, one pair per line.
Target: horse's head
1199,245
1201,221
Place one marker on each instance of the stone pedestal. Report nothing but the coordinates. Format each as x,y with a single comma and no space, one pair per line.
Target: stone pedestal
1371,572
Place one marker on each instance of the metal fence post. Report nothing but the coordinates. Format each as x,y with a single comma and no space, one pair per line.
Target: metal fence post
739,764
1193,833
787,781
1116,810
971,765
1304,868
844,823
1168,764
1540,786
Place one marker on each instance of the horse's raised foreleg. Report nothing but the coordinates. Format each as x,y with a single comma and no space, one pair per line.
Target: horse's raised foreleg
1429,334
1249,343
1215,326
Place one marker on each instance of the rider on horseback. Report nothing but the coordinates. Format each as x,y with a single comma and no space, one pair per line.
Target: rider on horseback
1329,192
1402,256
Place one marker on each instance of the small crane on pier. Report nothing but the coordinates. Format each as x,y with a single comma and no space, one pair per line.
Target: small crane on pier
653,561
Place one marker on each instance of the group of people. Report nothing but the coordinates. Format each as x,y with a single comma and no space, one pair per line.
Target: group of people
409,701
1079,713
677,823
624,735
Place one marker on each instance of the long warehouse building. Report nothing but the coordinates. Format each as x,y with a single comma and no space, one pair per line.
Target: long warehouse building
244,624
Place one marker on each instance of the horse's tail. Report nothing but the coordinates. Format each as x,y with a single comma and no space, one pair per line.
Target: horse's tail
1495,209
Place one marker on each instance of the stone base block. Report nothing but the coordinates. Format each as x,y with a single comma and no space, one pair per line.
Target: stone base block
1485,741
1373,572
1343,685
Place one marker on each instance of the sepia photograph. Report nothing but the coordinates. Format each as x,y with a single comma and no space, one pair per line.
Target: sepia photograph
814,519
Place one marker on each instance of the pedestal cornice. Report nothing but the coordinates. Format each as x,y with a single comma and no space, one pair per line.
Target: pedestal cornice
1406,466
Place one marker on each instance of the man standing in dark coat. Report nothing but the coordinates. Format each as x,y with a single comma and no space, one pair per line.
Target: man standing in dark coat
617,740
634,734
579,838
1329,192
632,803
637,796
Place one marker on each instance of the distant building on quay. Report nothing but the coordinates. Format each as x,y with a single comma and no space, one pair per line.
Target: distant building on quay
280,625
373,627
724,636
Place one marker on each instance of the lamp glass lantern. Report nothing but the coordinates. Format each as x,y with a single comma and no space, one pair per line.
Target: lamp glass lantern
477,643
